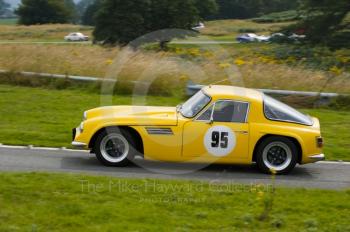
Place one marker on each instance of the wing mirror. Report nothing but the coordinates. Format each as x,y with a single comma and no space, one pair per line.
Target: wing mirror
211,121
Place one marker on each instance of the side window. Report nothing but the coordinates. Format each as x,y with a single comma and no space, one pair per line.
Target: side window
230,111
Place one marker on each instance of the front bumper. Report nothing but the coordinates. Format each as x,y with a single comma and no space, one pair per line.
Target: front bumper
75,133
316,158
79,145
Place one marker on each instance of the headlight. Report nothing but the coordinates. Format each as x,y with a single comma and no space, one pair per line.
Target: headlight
81,127
85,116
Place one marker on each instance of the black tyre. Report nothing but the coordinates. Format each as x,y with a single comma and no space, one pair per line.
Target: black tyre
276,154
114,147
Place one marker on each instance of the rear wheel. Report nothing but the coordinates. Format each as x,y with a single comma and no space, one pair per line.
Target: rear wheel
114,147
277,154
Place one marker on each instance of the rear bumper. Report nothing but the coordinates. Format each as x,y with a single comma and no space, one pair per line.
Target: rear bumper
316,158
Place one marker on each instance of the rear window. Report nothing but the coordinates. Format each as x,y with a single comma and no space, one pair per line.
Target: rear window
278,111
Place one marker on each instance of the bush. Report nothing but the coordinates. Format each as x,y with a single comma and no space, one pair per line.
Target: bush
318,58
283,16
247,30
340,103
340,40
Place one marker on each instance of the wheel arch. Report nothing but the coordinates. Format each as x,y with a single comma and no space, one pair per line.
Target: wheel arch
134,133
293,139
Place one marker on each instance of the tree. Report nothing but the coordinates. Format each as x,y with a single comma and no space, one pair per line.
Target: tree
82,6
207,8
167,14
324,19
242,9
73,11
3,7
43,11
88,17
120,21
270,6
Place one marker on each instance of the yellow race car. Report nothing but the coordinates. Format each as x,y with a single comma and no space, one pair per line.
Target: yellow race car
220,124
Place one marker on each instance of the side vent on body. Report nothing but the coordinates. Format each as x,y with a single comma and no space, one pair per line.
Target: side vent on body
159,131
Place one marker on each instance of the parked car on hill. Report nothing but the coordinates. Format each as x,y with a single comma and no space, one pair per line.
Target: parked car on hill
198,27
251,37
280,38
76,36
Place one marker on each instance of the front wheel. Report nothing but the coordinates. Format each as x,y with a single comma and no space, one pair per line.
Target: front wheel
114,147
277,155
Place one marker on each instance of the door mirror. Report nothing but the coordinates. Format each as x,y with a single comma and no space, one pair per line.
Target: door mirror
210,121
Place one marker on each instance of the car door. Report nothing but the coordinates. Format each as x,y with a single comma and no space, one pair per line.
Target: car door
74,37
220,131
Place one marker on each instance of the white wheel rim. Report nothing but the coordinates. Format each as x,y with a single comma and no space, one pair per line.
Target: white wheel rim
120,148
277,156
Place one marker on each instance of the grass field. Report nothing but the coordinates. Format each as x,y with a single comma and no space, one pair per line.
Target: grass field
251,65
57,202
44,117
244,64
50,32
234,27
217,30
8,22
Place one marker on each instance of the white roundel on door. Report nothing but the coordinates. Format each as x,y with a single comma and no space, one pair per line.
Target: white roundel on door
220,141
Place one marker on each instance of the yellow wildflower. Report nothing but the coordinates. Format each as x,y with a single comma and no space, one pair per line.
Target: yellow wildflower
224,65
179,51
194,52
109,61
273,171
208,54
291,59
344,59
239,62
335,70
183,77
265,59
261,194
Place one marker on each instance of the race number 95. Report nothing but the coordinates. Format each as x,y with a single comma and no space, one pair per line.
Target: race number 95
219,141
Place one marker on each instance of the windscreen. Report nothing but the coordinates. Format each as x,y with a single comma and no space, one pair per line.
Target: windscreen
194,105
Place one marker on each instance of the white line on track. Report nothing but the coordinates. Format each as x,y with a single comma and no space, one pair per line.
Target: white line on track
204,42
31,147
43,42
89,43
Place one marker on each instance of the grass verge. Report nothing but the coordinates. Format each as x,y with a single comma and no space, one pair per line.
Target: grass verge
10,21
335,126
60,202
49,32
44,117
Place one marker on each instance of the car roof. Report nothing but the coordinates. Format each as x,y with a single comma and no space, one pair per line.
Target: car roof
233,92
